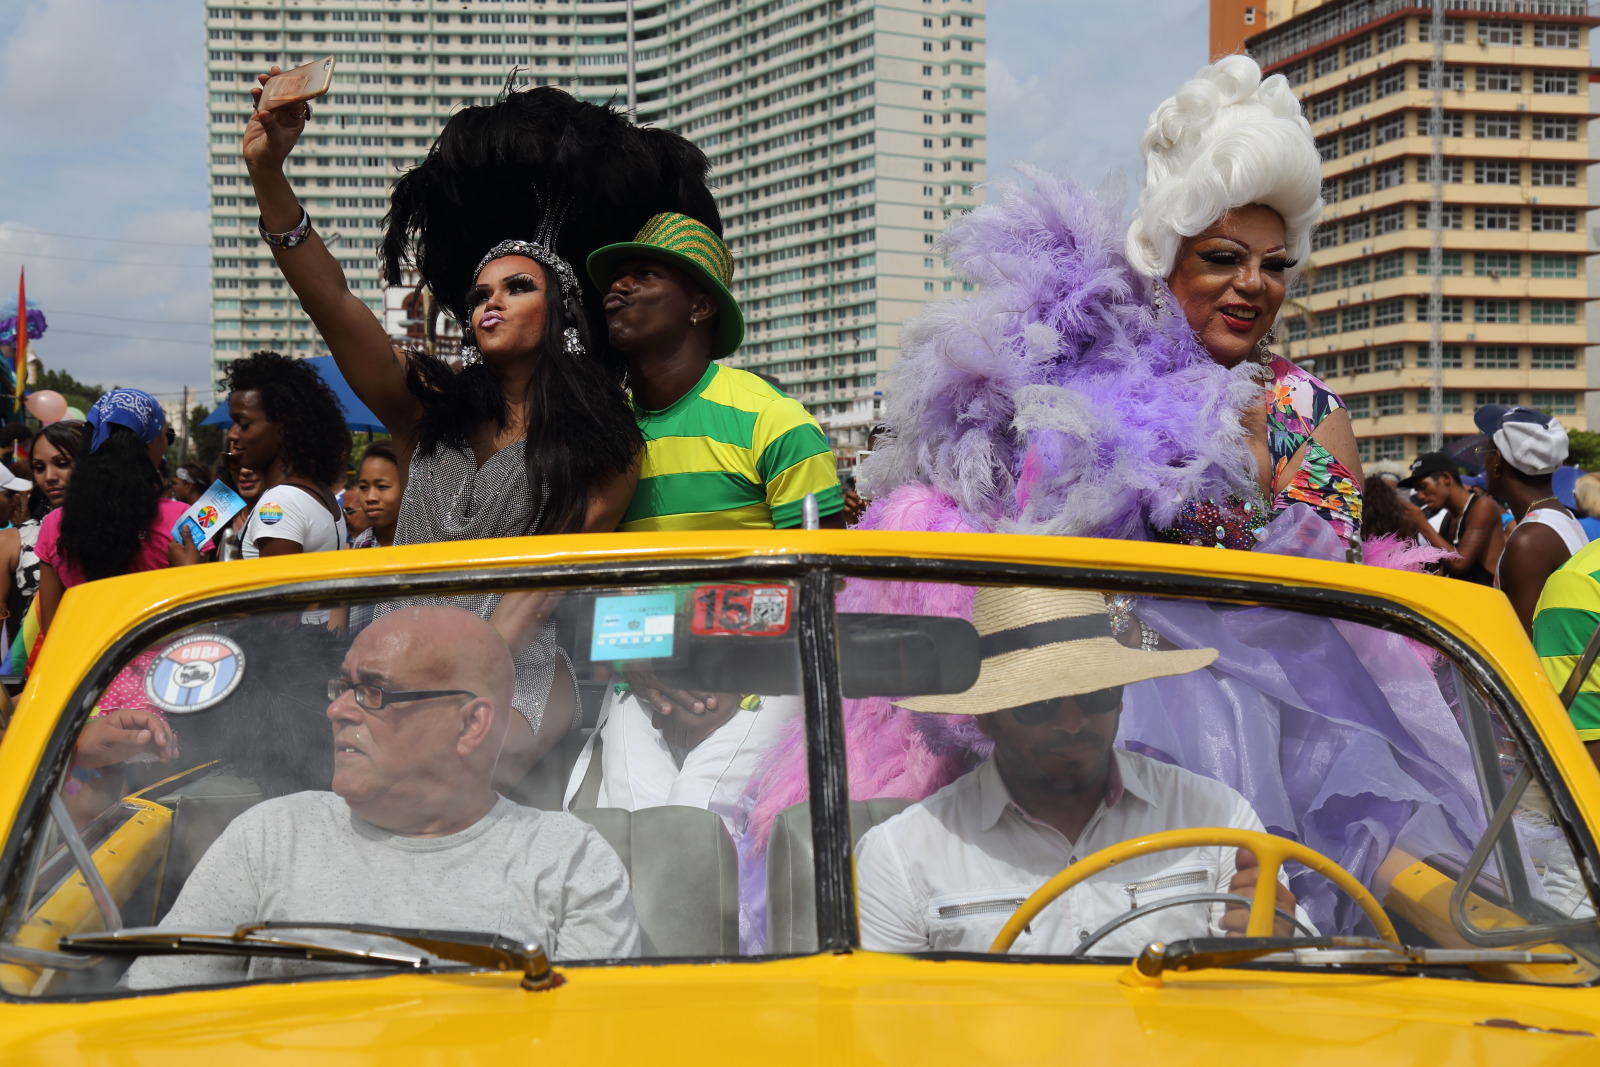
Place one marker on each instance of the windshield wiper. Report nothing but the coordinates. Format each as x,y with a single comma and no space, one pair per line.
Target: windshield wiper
480,950
1199,953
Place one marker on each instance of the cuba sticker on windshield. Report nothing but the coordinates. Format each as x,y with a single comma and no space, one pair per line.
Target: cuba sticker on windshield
194,673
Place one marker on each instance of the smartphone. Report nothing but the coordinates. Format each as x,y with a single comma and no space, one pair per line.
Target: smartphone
298,85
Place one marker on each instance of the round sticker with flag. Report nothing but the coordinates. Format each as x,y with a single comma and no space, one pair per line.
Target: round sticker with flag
194,673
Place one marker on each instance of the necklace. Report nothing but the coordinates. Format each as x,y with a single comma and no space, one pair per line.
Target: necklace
1543,500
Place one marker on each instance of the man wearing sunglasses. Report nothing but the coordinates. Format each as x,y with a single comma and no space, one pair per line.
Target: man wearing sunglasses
946,873
412,834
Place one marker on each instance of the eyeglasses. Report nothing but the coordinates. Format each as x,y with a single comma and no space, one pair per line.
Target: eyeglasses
374,698
1098,702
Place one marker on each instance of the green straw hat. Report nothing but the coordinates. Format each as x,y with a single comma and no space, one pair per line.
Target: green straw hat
691,247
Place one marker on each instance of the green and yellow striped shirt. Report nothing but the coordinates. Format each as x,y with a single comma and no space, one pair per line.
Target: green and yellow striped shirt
1565,618
734,453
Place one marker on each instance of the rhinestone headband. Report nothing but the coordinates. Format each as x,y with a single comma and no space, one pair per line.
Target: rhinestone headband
565,275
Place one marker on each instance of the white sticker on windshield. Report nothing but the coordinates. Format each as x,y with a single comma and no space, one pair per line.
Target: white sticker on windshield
194,673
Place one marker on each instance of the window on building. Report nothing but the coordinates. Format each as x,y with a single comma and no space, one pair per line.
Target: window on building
1553,357
1390,129
1327,324
1325,107
1496,217
1553,220
1450,216
1357,362
1561,403
1392,36
1357,184
1449,357
1389,357
1556,82
1496,357
1500,311
1451,77
1357,141
1390,219
1296,328
1499,33
1555,128
1455,30
1328,149
1358,228
1296,74
1450,402
1495,396
1357,318
1324,237
1449,171
1388,175
1451,309
1357,272
1326,63
1392,402
1552,265
1388,265
1449,263
1497,172
1358,95
1453,125
1499,80
1558,174
1554,35
1359,406
1325,281
1388,312
1496,264
1498,126
1553,312
1330,191
1357,50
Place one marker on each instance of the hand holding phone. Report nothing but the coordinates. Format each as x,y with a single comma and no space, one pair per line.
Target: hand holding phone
297,86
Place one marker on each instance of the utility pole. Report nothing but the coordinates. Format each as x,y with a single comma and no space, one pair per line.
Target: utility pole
183,449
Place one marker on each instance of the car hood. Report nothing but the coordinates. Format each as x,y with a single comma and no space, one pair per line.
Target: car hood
858,1009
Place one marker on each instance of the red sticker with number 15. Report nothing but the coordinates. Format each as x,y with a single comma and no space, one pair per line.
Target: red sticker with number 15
740,610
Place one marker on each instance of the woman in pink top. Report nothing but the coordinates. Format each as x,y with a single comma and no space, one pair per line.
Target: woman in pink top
114,519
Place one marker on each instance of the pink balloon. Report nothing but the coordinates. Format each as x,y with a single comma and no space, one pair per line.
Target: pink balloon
46,405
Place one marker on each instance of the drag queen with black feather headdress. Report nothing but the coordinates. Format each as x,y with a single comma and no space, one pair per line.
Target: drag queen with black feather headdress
534,434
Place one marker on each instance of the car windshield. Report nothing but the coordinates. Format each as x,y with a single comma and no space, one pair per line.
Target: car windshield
623,770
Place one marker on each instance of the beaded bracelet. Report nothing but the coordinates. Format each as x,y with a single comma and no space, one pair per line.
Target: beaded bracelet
289,239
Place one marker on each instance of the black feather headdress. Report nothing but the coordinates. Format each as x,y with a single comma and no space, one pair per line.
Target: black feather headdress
496,170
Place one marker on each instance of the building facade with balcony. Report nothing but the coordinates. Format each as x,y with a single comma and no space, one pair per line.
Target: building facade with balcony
1503,141
842,135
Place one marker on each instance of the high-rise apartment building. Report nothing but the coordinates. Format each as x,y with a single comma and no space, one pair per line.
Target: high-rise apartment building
1485,117
842,135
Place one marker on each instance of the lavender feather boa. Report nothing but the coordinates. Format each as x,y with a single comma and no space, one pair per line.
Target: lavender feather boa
1057,399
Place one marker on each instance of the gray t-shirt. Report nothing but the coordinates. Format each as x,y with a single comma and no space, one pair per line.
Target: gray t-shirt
531,875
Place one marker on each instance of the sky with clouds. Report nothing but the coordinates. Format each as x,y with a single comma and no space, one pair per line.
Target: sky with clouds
103,175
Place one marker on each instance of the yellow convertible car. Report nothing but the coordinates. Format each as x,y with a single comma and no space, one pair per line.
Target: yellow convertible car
797,797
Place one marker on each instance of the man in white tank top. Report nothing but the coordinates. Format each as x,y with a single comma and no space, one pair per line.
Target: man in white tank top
1524,448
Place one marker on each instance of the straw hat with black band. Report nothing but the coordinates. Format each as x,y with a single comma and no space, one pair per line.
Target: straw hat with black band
1043,644
692,247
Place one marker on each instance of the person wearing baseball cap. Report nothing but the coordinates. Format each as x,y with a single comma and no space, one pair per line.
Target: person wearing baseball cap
1470,528
946,873
1522,449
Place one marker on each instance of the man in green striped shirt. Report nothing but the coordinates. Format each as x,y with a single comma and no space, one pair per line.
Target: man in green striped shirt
1563,621
724,450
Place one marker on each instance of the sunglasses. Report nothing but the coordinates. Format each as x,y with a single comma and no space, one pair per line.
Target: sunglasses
1098,702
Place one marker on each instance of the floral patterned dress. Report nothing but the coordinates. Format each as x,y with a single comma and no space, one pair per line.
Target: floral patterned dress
1298,403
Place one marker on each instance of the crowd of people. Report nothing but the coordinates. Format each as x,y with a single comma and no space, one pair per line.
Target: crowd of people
581,257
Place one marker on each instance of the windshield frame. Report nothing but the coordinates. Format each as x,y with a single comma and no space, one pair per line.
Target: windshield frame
817,574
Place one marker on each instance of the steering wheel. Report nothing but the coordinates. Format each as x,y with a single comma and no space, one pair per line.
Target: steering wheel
1270,852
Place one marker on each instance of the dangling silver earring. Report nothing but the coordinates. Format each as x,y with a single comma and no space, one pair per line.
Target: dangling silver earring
470,356
693,321
1264,347
574,346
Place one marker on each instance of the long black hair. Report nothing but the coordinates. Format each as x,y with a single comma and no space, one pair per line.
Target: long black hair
313,442
66,437
581,430
110,504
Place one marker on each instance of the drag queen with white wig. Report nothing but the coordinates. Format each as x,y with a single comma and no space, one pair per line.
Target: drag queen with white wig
1112,380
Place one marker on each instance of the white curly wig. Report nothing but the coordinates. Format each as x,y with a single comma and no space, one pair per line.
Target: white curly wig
1224,140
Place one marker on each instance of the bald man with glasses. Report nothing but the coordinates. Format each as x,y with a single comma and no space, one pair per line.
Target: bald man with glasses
412,833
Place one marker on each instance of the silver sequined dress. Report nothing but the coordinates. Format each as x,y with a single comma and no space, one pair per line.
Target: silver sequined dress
448,497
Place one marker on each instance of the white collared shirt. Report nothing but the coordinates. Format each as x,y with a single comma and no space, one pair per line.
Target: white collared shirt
946,873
